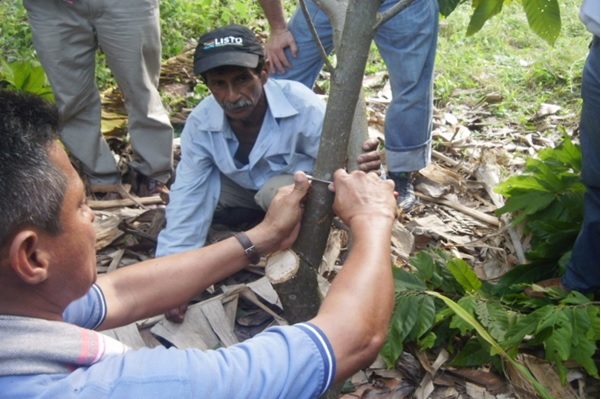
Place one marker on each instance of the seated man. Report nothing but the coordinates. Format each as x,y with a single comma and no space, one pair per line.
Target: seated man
50,299
241,143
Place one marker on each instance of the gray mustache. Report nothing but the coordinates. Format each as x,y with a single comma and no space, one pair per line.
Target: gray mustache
238,104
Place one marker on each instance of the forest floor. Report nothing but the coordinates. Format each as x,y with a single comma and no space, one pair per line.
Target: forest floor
472,151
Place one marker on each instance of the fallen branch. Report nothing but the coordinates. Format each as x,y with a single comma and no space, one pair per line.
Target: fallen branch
483,217
96,204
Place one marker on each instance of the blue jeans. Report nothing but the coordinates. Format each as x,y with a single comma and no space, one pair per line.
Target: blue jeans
582,273
407,44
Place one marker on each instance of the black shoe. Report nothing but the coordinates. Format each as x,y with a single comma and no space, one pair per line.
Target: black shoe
403,185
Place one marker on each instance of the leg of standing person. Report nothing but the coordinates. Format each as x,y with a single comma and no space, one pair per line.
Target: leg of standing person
582,273
129,34
407,44
63,35
306,66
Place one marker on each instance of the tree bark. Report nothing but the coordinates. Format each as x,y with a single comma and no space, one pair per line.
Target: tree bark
300,296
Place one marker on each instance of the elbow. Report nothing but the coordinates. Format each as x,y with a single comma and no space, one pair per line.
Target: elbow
371,347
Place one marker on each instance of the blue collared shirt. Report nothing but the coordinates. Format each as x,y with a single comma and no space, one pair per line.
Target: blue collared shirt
288,142
282,362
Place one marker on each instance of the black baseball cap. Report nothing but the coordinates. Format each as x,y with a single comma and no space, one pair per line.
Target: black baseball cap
230,45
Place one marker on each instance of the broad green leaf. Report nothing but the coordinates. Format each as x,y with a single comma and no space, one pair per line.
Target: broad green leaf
526,325
494,317
542,391
593,314
424,265
443,314
548,178
519,183
405,281
520,274
464,274
570,154
405,315
8,72
468,304
580,324
425,310
483,12
446,7
583,349
584,353
392,348
472,354
528,204
35,80
544,18
557,345
428,341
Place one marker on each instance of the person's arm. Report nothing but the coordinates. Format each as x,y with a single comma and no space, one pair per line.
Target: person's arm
157,285
193,196
356,311
280,37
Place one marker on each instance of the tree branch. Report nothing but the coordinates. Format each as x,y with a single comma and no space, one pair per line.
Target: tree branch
382,18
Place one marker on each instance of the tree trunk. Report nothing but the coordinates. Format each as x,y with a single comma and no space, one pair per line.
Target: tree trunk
300,295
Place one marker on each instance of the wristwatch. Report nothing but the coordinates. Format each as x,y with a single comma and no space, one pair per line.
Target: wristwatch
249,248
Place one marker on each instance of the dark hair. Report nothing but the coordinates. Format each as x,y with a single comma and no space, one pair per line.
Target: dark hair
257,70
33,188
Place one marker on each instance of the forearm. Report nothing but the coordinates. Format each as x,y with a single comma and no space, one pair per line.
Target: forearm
274,12
152,287
360,299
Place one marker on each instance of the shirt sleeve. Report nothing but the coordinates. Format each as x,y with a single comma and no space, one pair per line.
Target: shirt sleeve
193,197
89,311
282,362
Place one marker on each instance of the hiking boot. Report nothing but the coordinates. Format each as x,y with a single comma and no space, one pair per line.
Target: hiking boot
403,185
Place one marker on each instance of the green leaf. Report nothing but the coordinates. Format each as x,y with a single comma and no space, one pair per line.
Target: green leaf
583,353
580,324
527,325
405,316
472,354
519,183
544,18
392,348
483,12
542,391
424,265
468,304
405,281
425,310
528,203
557,345
528,273
593,314
427,341
547,176
464,274
494,317
583,348
446,7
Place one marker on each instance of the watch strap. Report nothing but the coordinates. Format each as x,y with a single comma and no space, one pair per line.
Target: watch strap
249,248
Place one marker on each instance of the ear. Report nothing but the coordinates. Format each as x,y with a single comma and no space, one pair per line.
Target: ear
265,71
26,257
